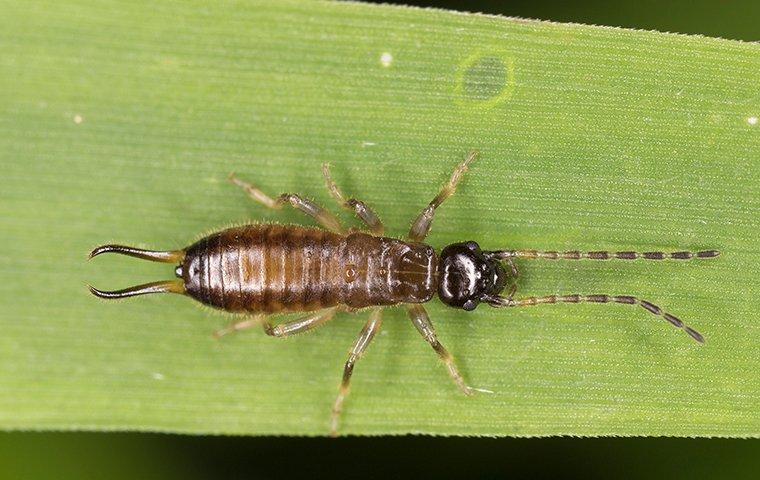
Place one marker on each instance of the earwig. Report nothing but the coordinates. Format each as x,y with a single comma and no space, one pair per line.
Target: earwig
260,270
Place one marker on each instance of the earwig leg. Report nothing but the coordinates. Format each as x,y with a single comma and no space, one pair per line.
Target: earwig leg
420,319
360,345
301,325
598,298
283,329
322,216
421,225
361,210
241,325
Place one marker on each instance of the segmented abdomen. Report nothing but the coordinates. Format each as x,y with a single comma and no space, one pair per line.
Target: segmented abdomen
270,268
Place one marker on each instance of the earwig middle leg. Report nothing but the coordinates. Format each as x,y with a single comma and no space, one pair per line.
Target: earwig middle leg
359,208
360,345
421,225
322,216
419,317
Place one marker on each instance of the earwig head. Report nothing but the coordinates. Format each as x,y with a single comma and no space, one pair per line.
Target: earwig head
467,276
167,286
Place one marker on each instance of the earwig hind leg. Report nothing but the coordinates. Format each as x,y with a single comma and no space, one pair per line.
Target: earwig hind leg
419,317
294,327
421,225
300,325
322,216
357,350
241,325
365,213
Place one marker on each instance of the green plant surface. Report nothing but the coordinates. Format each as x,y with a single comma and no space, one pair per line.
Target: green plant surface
120,121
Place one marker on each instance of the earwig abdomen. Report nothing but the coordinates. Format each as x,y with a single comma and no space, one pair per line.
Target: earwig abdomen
270,268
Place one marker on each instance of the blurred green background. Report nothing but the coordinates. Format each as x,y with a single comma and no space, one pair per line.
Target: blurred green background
134,455
142,456
732,19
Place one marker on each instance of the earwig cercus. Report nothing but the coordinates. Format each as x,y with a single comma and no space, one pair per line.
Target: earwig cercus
265,269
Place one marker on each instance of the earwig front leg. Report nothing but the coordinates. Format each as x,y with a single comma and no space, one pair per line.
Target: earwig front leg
361,210
421,225
419,317
322,216
360,345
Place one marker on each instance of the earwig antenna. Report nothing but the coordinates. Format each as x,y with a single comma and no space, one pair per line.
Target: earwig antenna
166,286
498,301
171,256
576,255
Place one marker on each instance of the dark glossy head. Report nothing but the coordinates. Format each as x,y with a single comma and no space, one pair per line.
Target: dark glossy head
467,276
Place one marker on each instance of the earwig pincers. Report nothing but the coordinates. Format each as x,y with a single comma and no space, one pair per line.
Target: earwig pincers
263,269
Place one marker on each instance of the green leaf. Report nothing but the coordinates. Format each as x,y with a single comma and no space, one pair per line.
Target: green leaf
121,121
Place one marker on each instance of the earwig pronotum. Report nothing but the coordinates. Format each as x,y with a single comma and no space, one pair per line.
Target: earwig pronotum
265,269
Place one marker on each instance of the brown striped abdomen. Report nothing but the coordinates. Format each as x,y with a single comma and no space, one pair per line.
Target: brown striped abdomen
270,268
